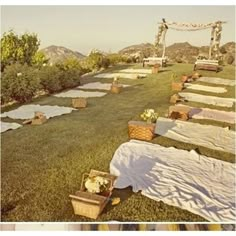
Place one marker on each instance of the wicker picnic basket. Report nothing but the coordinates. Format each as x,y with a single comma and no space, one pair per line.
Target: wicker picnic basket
155,69
79,102
116,88
141,130
177,86
90,204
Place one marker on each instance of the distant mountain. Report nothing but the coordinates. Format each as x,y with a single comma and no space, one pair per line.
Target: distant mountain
139,50
58,53
181,52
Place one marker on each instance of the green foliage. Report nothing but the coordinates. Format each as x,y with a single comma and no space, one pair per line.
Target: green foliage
230,59
96,60
114,58
50,78
39,59
70,63
19,83
54,78
69,78
19,49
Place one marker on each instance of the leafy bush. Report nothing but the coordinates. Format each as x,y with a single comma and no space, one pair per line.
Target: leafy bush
97,60
69,78
114,58
230,59
50,78
19,83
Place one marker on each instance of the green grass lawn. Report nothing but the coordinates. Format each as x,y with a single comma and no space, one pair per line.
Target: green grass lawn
42,165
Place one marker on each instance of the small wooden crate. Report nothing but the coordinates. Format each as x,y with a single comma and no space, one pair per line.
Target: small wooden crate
116,88
177,86
39,121
184,78
155,69
175,98
179,112
196,76
141,130
90,204
79,102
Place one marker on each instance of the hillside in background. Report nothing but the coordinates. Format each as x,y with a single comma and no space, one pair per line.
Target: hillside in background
181,52
58,53
177,52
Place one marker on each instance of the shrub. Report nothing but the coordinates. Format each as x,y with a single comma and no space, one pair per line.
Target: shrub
50,78
69,78
230,59
19,83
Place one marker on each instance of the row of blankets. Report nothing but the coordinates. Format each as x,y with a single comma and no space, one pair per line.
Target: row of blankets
185,179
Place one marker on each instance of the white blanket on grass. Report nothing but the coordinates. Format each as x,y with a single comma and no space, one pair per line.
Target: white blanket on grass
27,111
213,80
120,75
142,71
78,93
205,88
199,184
98,85
7,126
211,114
209,136
217,101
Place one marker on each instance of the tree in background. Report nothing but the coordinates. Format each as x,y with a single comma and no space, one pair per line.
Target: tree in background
97,60
39,59
18,49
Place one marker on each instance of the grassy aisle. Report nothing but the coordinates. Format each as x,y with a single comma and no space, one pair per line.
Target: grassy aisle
42,165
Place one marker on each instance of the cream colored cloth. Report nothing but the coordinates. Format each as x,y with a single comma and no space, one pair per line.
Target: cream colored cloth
211,114
28,111
196,183
217,101
79,93
8,126
209,136
143,71
205,88
98,85
213,80
120,75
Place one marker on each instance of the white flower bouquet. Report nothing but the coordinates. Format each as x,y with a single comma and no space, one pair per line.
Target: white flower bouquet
96,184
149,115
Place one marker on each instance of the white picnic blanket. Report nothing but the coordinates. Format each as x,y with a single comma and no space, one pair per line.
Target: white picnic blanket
209,136
7,126
120,75
213,80
211,114
217,101
27,111
185,179
205,88
142,71
98,85
78,93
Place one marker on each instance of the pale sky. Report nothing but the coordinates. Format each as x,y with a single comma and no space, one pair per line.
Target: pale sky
111,28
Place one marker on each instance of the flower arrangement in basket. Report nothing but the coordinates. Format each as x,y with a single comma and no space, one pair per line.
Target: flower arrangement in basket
95,192
149,115
98,185
116,86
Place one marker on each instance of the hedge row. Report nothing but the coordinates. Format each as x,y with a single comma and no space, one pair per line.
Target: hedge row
22,82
